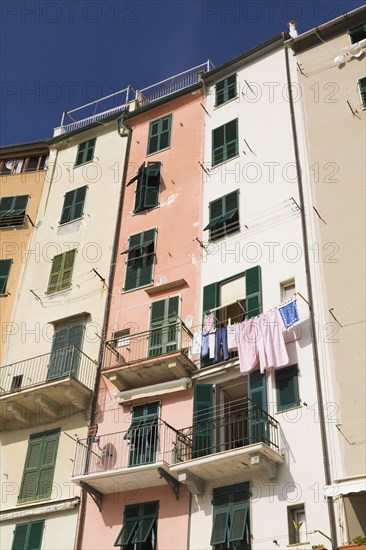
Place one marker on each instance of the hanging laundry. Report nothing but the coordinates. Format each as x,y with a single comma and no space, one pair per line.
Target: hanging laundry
231,338
289,313
209,322
247,334
221,339
197,342
208,344
205,344
211,344
271,344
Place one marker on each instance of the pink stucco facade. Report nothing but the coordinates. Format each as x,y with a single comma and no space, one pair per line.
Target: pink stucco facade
176,270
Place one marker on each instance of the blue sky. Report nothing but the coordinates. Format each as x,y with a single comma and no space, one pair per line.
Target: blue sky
60,54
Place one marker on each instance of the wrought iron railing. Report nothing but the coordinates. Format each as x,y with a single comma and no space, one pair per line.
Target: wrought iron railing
150,343
145,443
230,426
58,364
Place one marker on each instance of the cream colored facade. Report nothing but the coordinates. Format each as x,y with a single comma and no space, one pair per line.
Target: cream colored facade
334,117
35,400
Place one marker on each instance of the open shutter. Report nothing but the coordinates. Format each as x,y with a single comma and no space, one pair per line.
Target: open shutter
133,259
67,207
239,514
79,202
55,275
28,489
35,535
5,266
152,184
20,537
253,291
202,420
47,465
257,393
362,86
68,266
220,525
139,196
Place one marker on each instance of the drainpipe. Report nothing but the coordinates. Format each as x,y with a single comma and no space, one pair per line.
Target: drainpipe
319,393
83,498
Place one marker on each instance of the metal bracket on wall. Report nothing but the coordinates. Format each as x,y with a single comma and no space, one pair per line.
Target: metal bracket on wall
96,495
174,483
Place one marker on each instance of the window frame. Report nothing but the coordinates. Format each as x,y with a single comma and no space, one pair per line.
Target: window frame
24,166
280,375
226,90
354,30
83,150
5,277
29,525
136,515
12,221
222,226
62,278
143,186
225,144
284,286
141,260
160,122
73,205
228,501
293,533
361,83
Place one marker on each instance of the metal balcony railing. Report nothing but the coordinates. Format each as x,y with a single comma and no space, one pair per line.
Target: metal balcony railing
43,369
151,343
147,442
228,427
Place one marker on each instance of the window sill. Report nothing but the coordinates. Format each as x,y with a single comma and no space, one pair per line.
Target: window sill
213,241
226,102
290,408
223,162
147,210
83,163
57,292
70,222
33,502
3,295
294,544
159,151
149,285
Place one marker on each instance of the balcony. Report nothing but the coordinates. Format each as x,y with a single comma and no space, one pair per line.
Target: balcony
45,387
150,357
126,460
237,438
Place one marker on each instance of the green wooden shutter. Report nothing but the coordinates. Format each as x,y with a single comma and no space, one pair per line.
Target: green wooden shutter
152,184
80,153
90,150
210,301
140,186
67,207
148,256
218,145
28,490
79,202
76,335
35,535
257,393
20,537
220,525
53,282
67,269
58,357
47,465
140,260
202,420
159,134
253,291
231,139
239,514
165,128
73,206
362,86
287,388
5,266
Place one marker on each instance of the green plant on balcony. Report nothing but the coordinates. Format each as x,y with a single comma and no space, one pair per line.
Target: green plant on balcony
319,546
359,540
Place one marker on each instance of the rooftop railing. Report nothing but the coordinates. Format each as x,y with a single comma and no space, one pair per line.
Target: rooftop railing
48,368
148,344
106,106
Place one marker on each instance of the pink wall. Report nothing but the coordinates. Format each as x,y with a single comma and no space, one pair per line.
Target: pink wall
178,218
102,528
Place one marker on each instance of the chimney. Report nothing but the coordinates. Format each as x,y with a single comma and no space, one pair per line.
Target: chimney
292,29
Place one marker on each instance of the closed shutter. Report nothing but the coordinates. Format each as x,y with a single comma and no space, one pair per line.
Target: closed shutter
35,535
362,86
140,261
47,465
257,393
67,269
29,486
152,184
73,206
159,134
253,291
55,275
20,537
218,145
287,388
202,420
67,207
65,358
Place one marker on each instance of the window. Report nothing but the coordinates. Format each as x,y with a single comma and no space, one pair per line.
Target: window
12,210
140,259
224,216
287,388
147,188
143,434
139,529
61,272
85,152
5,266
288,290
164,328
225,90
362,87
66,352
73,207
159,134
29,164
231,526
225,142
122,338
358,33
28,536
39,466
297,532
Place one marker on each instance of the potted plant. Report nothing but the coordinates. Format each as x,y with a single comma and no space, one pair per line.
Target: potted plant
358,543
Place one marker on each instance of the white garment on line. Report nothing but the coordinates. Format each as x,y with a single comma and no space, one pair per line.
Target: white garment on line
211,344
197,342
